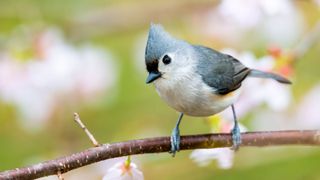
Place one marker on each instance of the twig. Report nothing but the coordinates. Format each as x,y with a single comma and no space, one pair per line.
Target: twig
157,145
91,137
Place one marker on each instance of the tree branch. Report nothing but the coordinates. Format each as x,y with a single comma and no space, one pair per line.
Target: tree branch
157,145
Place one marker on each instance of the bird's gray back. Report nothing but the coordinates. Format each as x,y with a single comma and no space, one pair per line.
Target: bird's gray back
220,71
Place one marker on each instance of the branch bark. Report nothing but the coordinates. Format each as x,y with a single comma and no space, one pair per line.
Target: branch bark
157,145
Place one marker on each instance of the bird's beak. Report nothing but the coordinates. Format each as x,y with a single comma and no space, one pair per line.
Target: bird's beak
153,75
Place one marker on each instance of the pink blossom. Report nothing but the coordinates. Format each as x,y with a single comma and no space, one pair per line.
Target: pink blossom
232,20
307,113
57,70
124,170
203,157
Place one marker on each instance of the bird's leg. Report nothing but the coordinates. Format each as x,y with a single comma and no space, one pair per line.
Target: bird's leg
175,137
236,136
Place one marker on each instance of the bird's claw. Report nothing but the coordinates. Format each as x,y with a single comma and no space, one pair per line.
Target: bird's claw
175,141
236,137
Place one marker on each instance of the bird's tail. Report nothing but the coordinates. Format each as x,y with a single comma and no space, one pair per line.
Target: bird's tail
261,74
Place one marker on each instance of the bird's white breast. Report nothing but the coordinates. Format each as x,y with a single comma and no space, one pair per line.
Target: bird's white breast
187,93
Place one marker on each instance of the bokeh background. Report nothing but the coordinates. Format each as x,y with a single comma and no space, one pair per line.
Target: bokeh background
87,56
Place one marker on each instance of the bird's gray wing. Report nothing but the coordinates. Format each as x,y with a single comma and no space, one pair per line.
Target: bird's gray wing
220,71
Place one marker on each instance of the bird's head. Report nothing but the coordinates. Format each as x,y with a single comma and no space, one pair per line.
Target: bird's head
164,55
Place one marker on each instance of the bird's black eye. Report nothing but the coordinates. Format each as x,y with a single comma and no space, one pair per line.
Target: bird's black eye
166,59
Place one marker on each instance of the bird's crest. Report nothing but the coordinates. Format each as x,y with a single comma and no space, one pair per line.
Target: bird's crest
159,42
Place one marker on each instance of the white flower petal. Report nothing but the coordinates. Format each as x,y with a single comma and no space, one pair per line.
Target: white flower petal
137,174
118,172
203,157
277,96
113,174
308,115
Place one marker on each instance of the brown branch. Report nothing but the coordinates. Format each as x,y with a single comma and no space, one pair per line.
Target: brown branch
157,145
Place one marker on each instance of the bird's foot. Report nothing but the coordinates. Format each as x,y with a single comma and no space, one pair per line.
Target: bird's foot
175,141
236,137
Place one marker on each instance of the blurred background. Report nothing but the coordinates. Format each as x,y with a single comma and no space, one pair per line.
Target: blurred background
87,56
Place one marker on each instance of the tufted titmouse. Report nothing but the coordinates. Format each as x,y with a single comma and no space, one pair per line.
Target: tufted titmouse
195,80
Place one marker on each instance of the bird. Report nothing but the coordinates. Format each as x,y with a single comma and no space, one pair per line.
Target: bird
196,80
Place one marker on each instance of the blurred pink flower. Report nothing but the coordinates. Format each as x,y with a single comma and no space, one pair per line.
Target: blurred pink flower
203,157
304,116
273,20
124,170
307,114
53,71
